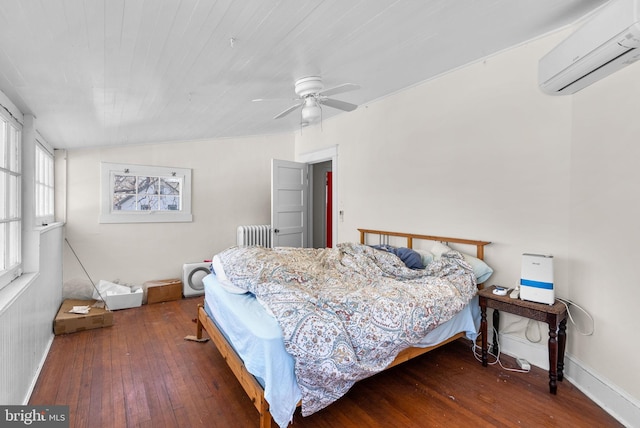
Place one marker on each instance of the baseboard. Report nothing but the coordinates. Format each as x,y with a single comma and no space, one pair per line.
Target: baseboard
37,374
615,401
612,399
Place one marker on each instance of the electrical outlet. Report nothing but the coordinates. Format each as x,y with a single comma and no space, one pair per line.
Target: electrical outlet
523,364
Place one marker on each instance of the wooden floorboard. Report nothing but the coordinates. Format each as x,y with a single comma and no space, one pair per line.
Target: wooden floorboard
142,373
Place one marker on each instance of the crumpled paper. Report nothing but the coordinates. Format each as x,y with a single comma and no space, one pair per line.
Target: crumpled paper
80,310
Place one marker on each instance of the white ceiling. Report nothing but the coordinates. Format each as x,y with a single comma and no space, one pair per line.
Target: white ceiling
111,72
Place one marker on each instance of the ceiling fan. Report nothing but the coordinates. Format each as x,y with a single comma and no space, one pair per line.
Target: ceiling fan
311,96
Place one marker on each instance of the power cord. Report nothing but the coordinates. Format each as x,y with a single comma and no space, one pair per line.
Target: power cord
97,304
531,323
474,349
567,303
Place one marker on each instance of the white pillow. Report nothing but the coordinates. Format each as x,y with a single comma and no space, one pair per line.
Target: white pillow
218,270
439,249
481,270
427,256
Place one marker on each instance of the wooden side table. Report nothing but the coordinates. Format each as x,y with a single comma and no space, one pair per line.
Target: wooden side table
555,315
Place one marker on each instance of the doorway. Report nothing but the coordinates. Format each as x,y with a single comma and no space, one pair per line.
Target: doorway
324,212
302,204
322,204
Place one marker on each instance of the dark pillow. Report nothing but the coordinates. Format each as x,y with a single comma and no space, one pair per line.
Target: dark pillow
411,258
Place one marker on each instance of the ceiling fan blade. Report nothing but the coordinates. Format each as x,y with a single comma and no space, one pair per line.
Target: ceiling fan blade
287,111
345,87
340,105
259,100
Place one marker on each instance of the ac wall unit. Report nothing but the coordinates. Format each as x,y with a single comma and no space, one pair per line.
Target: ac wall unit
607,42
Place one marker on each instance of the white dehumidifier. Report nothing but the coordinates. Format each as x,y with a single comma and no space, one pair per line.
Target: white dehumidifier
192,276
536,281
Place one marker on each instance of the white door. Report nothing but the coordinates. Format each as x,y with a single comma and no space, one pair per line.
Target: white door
289,200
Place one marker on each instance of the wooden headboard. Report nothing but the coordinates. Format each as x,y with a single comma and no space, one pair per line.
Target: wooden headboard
411,236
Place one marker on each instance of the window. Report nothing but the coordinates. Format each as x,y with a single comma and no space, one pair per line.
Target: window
10,202
44,189
144,194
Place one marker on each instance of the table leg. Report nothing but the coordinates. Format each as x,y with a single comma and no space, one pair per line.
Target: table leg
553,357
562,342
496,328
483,330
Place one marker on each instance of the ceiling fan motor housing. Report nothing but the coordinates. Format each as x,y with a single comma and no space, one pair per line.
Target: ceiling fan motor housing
308,86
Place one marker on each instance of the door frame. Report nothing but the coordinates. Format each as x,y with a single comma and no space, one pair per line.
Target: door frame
322,155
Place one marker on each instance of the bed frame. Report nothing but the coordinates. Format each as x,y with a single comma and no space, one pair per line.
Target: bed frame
253,388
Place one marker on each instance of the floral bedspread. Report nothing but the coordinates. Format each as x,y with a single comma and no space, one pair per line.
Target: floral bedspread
346,312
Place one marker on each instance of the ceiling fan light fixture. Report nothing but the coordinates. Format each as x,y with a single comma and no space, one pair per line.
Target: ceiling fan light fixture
311,110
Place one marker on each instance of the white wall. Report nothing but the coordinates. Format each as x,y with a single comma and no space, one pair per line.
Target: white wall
604,233
231,186
481,153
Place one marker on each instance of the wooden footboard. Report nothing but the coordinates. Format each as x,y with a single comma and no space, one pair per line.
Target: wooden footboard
410,353
251,386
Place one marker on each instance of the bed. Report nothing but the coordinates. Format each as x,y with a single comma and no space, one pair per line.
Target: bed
250,319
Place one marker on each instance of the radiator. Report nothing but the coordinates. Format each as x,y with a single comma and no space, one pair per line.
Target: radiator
259,234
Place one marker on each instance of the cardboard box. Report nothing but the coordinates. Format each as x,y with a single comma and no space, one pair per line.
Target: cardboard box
163,290
66,322
117,301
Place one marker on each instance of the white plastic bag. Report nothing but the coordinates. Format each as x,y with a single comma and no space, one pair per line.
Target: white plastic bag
106,287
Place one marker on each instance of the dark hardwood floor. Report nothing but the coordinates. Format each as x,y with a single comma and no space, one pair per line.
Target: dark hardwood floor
142,373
